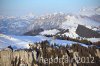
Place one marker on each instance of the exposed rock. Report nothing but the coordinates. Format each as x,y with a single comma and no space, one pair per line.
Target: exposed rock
86,32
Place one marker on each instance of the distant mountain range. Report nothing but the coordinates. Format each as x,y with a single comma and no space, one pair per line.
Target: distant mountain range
55,24
25,39
19,25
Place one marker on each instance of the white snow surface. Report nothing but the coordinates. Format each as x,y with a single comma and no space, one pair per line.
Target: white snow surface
50,32
72,23
93,39
90,11
71,34
20,42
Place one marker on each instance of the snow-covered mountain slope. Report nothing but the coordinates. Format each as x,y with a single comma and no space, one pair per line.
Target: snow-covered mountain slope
21,25
73,21
50,24
50,32
90,11
18,42
14,25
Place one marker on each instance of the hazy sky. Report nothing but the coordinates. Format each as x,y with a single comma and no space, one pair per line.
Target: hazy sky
38,7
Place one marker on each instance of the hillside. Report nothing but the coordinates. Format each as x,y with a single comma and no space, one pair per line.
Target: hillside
86,32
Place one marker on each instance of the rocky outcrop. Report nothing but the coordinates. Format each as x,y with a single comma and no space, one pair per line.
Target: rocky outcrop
86,32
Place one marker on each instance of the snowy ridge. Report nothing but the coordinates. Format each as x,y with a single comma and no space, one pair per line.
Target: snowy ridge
90,11
8,25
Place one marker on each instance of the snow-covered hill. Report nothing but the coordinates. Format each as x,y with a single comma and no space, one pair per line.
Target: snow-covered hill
21,42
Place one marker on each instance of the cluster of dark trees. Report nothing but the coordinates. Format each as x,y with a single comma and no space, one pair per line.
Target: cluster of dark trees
59,51
86,52
80,40
55,50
